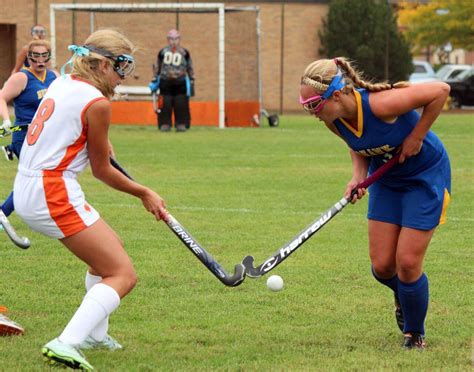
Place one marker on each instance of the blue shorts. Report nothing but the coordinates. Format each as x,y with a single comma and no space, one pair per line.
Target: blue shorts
415,208
420,203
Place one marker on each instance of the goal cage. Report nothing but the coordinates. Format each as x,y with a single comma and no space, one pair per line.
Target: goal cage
224,43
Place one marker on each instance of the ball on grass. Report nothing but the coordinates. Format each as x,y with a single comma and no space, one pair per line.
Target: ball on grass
275,283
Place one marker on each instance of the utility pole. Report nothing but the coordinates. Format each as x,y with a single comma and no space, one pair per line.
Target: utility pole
387,39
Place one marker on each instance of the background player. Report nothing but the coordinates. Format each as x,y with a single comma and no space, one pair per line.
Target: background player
175,80
26,89
70,130
405,205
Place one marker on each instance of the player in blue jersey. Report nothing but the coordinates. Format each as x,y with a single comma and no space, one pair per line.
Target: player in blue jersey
409,202
26,89
175,81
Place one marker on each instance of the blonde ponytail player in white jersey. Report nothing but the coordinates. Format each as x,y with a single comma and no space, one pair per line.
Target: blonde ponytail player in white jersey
69,131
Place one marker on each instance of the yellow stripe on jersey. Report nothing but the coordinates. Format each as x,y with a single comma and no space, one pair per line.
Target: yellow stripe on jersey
40,78
360,117
446,201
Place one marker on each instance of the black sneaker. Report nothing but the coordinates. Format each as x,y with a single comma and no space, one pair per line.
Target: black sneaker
8,153
165,128
399,314
414,341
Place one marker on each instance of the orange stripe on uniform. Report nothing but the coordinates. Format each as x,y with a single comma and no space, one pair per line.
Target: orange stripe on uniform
57,199
77,146
60,209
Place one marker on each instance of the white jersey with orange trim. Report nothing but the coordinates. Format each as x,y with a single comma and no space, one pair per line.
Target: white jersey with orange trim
57,136
46,194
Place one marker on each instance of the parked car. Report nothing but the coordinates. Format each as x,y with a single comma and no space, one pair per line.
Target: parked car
448,72
462,89
423,73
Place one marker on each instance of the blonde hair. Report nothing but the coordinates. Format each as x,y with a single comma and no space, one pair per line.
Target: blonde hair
39,42
320,73
86,67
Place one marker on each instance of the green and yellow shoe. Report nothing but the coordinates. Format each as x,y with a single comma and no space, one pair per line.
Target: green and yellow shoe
57,352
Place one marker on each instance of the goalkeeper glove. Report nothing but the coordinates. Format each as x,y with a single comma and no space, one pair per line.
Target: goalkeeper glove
154,85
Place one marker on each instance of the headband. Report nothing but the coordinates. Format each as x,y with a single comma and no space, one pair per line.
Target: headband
337,83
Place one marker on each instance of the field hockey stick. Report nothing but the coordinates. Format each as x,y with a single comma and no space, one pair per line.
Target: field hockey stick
21,242
186,238
156,96
284,252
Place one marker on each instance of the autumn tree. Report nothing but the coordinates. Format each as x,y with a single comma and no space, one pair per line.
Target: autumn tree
438,23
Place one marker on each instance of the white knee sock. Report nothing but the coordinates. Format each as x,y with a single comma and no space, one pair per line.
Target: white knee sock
99,302
99,332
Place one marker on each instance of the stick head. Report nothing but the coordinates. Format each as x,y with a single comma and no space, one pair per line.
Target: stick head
248,261
24,243
250,270
238,277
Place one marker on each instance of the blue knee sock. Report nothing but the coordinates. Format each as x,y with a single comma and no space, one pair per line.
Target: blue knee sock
7,207
391,282
414,299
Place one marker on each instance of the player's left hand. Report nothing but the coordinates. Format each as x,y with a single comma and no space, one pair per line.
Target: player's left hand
153,85
6,125
410,147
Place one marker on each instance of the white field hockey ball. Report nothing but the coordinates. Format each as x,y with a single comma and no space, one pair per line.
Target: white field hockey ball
275,283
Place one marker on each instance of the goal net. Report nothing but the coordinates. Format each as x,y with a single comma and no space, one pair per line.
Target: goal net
224,43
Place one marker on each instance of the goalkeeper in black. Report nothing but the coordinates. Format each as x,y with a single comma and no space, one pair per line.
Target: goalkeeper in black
174,80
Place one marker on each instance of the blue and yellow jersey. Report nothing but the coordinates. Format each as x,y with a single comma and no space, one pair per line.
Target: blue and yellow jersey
378,140
29,99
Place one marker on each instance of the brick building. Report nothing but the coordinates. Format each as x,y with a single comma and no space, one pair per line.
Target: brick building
289,41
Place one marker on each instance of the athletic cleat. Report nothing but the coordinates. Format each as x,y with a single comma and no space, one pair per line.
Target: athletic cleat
165,128
414,341
399,314
8,327
108,343
8,153
181,128
59,353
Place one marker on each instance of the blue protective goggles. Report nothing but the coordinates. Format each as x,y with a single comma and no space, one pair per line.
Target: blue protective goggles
124,64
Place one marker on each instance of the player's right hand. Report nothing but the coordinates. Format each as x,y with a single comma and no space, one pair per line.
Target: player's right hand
154,204
351,186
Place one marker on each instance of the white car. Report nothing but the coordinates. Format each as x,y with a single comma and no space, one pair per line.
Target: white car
423,73
449,72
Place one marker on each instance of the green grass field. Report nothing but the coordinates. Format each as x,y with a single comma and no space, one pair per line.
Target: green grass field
239,192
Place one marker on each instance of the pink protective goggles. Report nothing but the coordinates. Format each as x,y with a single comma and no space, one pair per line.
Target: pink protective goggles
314,104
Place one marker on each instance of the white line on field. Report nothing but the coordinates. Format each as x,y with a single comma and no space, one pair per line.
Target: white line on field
257,211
